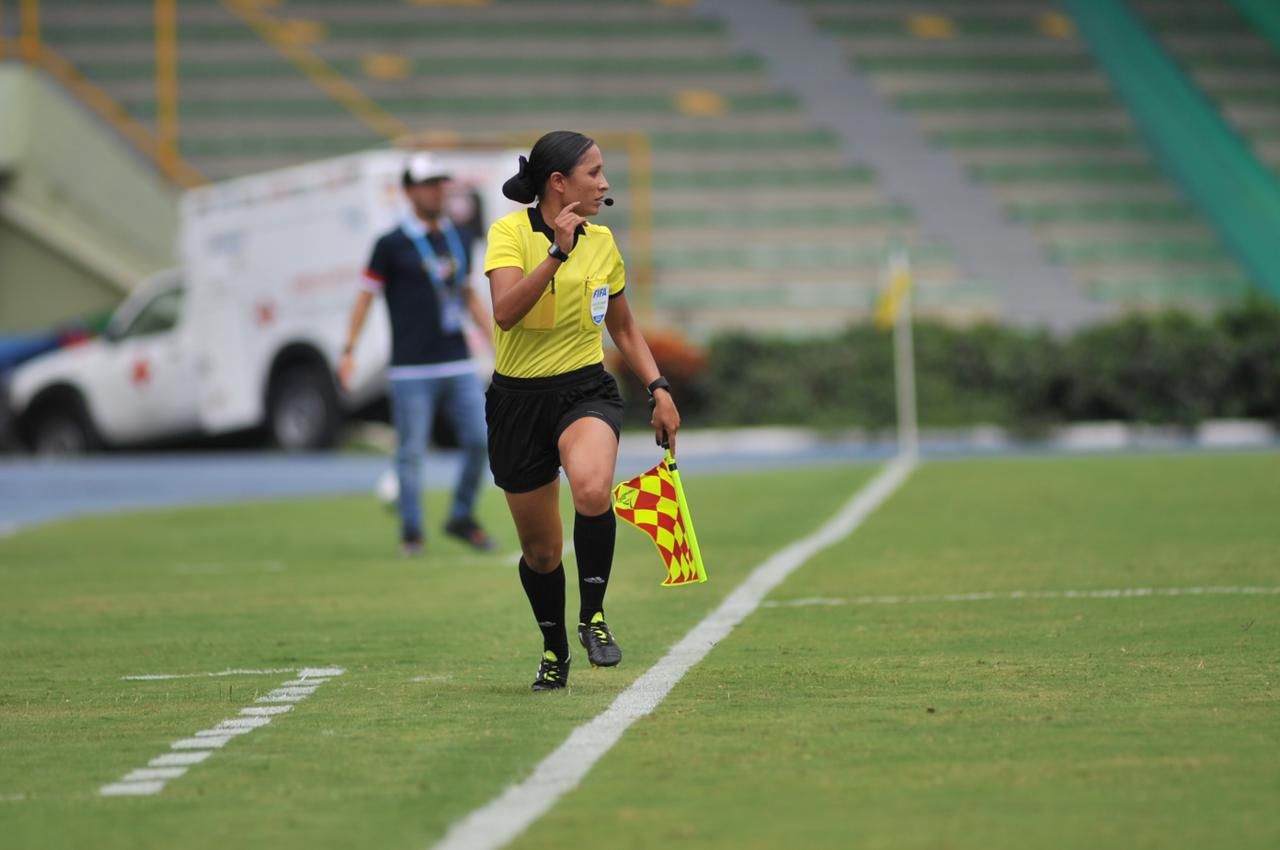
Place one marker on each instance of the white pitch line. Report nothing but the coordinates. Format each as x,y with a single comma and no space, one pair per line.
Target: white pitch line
988,596
220,732
150,773
510,813
287,694
802,603
191,751
131,789
155,677
265,710
320,672
212,742
179,759
244,723
270,697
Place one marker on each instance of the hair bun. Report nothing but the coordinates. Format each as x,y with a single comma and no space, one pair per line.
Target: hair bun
520,188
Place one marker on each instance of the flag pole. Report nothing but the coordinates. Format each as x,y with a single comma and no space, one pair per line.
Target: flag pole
700,571
904,361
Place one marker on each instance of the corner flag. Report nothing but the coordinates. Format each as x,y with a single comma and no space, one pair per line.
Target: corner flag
654,503
890,303
894,311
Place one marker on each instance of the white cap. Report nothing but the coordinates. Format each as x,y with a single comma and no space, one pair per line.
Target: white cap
422,167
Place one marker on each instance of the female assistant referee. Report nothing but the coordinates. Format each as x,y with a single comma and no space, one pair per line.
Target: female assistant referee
556,281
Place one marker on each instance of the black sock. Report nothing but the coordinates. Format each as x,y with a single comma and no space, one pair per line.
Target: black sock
546,597
593,538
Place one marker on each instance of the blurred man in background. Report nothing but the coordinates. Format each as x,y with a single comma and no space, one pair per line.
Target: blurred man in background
422,269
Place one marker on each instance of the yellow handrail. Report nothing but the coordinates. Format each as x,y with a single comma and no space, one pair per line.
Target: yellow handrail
178,171
154,147
29,30
167,81
345,92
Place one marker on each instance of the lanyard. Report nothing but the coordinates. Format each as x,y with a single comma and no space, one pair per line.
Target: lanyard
430,260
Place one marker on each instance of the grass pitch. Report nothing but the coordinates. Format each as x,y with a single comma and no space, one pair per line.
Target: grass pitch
839,721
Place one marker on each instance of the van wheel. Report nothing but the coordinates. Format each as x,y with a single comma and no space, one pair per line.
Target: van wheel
303,409
62,430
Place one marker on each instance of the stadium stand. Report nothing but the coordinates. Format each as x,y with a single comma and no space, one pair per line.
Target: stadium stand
759,220
1232,63
1009,88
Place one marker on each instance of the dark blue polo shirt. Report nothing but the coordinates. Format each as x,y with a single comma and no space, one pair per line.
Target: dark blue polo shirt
397,271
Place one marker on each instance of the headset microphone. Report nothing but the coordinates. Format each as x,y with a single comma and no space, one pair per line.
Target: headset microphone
608,202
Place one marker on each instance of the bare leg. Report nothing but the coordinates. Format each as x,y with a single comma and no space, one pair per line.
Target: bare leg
589,453
537,518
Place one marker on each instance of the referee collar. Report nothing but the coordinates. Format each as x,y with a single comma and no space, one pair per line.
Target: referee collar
536,222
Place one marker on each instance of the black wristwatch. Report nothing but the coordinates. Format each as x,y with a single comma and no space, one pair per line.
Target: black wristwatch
659,383
555,253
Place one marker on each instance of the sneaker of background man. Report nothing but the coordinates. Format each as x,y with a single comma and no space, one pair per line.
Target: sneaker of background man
553,674
602,649
466,530
411,543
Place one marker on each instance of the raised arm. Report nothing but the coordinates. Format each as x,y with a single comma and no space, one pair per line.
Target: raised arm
514,293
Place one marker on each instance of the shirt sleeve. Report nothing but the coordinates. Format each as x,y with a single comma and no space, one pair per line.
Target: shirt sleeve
375,274
504,248
617,274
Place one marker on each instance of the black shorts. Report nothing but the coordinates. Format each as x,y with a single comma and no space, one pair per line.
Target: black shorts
526,417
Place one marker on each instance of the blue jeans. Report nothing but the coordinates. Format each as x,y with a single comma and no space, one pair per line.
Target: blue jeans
413,405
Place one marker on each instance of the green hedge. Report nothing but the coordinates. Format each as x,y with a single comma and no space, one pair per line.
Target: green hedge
1174,368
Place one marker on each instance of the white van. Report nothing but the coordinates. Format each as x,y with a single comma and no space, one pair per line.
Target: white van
247,331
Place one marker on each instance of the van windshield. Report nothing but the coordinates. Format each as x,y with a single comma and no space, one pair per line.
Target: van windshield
158,316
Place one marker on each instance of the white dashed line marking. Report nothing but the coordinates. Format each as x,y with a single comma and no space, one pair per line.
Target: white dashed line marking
187,752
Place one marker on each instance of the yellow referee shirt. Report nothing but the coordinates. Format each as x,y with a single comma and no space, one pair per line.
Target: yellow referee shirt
563,330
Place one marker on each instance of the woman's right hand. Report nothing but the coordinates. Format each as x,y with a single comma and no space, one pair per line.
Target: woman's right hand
566,223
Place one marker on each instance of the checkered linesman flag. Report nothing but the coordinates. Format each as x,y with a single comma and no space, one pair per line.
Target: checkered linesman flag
654,503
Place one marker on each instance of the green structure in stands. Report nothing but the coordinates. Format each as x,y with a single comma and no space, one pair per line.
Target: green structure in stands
1215,164
1014,91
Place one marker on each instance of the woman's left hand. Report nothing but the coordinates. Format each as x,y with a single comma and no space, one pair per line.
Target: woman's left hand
665,419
